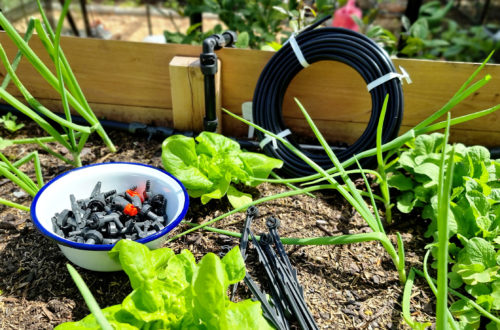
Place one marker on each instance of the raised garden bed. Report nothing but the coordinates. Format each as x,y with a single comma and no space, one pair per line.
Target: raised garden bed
349,286
346,286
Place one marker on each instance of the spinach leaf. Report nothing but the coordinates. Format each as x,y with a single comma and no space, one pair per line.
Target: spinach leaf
474,221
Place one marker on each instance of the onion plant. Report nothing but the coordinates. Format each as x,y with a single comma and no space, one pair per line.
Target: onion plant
443,315
64,82
89,299
73,136
348,190
12,172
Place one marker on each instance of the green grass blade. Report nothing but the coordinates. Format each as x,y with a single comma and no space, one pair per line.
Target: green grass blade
81,143
348,172
89,299
430,281
359,204
376,197
475,73
458,120
14,204
380,127
289,185
45,139
405,305
17,172
365,213
58,65
38,169
45,20
444,188
33,102
44,38
19,55
372,198
322,240
255,202
23,185
459,97
384,187
55,154
401,250
33,115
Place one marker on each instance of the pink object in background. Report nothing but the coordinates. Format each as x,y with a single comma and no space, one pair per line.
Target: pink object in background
343,16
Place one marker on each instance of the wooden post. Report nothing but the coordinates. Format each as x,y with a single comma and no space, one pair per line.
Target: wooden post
188,95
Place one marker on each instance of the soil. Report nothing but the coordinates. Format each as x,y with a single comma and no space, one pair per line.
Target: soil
345,286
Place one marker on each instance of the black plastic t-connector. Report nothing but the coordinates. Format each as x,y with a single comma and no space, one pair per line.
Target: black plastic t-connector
208,65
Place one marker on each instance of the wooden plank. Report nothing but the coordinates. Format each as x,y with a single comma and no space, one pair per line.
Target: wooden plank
188,94
349,132
109,71
121,113
117,73
333,91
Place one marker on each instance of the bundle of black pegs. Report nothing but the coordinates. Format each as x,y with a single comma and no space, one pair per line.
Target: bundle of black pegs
107,217
287,296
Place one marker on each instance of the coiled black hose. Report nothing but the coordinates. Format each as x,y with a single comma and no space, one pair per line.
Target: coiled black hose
333,44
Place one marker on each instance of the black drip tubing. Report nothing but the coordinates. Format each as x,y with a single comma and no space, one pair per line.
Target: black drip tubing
327,44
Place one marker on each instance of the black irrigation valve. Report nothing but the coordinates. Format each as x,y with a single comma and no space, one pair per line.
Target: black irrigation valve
106,217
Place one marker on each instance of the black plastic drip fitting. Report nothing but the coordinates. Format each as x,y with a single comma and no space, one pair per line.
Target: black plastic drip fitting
208,65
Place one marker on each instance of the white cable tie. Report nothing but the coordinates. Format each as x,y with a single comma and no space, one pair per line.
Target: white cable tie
391,75
297,51
272,139
246,110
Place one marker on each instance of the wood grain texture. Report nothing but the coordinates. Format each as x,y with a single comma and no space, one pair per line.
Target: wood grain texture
118,73
188,94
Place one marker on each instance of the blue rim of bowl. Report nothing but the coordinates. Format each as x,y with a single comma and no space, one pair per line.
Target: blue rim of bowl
107,247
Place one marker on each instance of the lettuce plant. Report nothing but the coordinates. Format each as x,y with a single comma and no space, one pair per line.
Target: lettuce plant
9,122
209,164
172,291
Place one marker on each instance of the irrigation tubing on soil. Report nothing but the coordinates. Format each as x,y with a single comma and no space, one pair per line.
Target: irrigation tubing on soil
326,44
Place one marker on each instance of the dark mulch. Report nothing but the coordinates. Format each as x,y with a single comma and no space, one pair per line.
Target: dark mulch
346,287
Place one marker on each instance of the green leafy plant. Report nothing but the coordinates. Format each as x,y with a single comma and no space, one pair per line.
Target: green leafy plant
209,164
474,220
64,82
9,122
348,190
435,36
74,136
171,291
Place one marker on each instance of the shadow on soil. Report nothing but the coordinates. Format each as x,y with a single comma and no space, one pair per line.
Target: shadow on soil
33,268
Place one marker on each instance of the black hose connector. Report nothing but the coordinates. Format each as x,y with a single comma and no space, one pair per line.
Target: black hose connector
208,65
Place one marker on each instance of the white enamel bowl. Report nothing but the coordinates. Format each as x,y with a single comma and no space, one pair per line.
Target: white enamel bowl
54,197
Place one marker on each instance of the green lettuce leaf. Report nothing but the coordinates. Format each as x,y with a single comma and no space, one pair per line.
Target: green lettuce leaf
238,198
209,164
171,291
180,159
